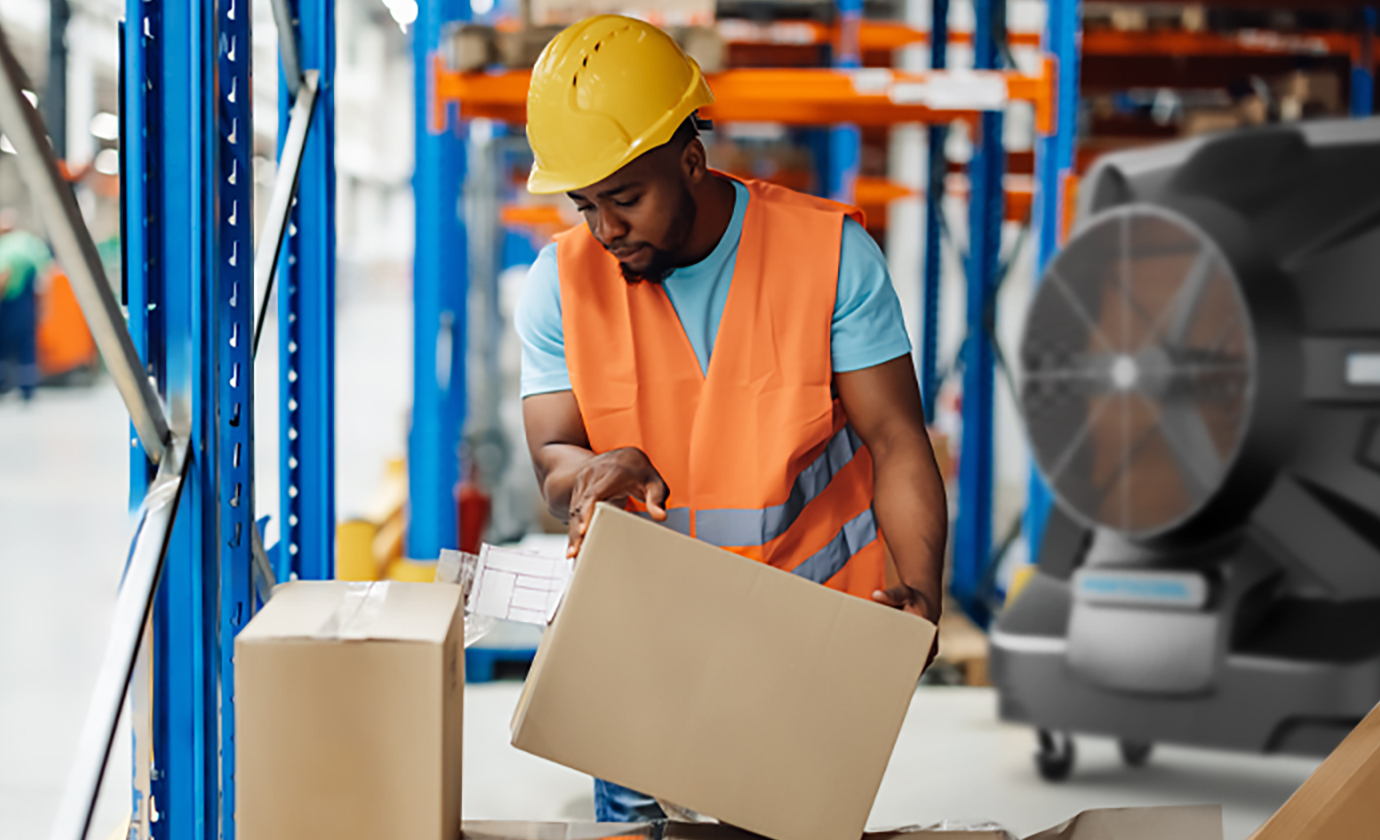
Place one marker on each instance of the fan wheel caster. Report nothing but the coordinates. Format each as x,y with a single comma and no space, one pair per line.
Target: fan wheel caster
1056,755
1136,753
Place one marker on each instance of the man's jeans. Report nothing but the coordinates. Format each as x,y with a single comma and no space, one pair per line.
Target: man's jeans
615,803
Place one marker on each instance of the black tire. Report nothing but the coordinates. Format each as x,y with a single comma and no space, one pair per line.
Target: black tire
1136,753
1056,755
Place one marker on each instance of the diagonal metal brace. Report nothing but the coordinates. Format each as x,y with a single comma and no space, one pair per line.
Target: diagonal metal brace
280,201
288,53
76,252
146,555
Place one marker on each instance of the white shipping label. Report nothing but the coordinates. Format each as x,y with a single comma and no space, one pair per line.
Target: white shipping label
519,585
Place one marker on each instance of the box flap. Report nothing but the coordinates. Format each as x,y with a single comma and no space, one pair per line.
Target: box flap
1339,801
1188,822
328,610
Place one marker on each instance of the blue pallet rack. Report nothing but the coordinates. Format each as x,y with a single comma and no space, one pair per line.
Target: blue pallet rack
187,173
440,282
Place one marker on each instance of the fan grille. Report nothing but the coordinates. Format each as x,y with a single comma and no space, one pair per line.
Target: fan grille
1138,371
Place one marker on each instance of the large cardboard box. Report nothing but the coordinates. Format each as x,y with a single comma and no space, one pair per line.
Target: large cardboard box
348,713
1341,800
720,684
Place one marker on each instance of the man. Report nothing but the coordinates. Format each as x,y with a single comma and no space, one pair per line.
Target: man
725,357
23,259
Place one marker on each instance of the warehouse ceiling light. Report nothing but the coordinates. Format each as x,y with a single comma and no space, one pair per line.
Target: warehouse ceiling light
108,162
105,126
5,145
403,11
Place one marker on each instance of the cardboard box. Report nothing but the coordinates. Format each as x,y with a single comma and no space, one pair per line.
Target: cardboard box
1194,822
663,13
348,712
721,684
1341,800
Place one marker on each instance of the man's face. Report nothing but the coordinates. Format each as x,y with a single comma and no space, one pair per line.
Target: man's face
642,214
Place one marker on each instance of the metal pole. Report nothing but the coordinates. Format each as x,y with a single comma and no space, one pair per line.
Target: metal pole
1363,67
147,552
231,302
938,170
289,55
845,140
1054,164
306,321
188,266
440,283
973,534
55,92
281,200
77,254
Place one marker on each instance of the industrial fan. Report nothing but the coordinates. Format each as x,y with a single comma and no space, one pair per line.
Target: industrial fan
1200,386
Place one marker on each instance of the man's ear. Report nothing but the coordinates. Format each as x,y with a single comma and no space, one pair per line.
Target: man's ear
694,161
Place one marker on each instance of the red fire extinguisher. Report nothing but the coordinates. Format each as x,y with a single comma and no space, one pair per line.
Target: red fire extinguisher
473,506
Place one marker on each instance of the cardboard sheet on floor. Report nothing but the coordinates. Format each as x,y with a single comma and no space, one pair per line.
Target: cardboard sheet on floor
348,713
1194,822
720,684
1341,799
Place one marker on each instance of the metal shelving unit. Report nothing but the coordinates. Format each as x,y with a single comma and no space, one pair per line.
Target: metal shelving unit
843,98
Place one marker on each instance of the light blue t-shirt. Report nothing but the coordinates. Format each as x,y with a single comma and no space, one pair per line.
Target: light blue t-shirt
867,329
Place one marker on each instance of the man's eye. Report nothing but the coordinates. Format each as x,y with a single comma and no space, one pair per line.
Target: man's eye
586,209
629,203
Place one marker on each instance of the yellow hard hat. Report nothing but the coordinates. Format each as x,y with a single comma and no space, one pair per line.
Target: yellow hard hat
604,91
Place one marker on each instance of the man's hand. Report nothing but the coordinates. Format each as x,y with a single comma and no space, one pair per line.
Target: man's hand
614,476
913,601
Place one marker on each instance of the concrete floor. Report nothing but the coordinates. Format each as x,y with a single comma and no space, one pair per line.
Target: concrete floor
64,531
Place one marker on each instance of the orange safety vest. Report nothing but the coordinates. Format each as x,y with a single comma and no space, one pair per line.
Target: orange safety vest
758,455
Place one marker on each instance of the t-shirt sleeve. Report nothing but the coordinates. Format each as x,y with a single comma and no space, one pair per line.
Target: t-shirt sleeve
538,324
868,327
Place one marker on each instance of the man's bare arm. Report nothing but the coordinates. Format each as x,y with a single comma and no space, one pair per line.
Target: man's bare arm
883,405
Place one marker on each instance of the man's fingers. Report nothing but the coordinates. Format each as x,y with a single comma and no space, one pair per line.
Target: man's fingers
576,529
654,503
889,597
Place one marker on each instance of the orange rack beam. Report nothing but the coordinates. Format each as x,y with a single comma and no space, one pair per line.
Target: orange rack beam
872,34
1247,42
804,96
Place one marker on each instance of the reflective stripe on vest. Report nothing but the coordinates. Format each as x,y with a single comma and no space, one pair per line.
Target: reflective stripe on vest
742,527
855,534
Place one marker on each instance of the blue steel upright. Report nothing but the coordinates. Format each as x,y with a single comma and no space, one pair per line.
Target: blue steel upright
1054,163
173,229
306,321
230,298
1363,67
973,532
933,267
845,140
439,285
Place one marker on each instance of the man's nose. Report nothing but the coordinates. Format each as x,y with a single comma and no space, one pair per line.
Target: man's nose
611,227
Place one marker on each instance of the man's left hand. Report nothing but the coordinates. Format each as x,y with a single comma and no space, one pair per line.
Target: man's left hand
911,600
915,602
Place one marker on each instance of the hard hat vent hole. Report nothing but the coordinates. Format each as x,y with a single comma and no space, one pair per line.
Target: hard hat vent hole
585,63
575,80
597,45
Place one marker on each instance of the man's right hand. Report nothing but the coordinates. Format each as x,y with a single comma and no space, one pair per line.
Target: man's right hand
614,477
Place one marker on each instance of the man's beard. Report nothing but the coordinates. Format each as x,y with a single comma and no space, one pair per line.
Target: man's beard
663,262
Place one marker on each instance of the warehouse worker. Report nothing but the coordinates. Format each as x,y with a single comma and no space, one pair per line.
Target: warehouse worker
727,357
24,258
